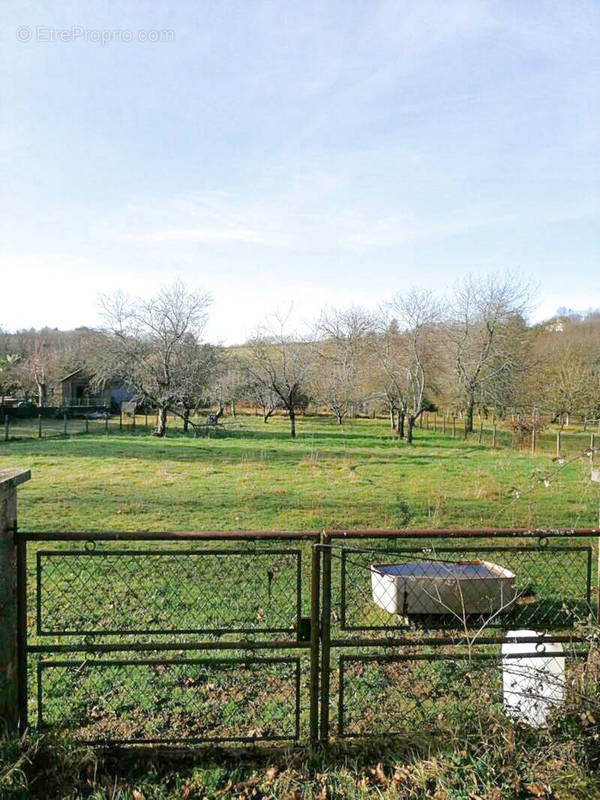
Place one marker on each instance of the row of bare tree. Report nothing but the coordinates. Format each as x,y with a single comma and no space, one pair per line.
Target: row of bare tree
470,351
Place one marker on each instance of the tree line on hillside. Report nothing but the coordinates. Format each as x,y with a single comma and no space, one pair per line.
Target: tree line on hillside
470,351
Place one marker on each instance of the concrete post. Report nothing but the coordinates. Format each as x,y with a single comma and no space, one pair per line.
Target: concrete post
10,685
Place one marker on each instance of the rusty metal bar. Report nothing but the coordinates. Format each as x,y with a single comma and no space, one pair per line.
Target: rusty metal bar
325,638
147,647
598,584
440,533
315,638
163,536
469,656
406,641
376,533
21,545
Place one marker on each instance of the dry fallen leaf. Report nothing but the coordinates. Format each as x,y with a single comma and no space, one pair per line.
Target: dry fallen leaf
536,789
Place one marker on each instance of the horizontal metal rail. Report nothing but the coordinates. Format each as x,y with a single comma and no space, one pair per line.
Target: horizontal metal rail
472,656
313,536
146,647
166,536
450,533
477,641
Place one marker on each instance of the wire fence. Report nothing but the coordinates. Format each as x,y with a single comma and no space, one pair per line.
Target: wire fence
552,440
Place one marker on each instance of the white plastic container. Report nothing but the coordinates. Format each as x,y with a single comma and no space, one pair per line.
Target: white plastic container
533,685
442,587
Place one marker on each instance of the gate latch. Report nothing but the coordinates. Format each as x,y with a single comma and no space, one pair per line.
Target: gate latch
304,629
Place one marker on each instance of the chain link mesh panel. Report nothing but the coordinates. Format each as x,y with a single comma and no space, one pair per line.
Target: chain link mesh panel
193,700
81,592
437,691
441,587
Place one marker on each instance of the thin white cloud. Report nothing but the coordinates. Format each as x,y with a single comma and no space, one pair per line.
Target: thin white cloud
169,236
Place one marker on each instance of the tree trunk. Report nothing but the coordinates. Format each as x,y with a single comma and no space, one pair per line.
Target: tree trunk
409,429
293,422
392,417
469,415
186,419
42,395
233,408
340,417
161,421
401,419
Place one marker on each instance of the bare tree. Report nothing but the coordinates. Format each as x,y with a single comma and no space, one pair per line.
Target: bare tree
389,349
192,374
8,375
230,383
262,396
342,343
418,314
567,375
280,361
148,343
484,339
41,363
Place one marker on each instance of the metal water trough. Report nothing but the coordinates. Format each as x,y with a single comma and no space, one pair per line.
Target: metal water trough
442,587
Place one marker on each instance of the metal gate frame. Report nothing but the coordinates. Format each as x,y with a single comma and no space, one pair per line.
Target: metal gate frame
327,643
312,633
286,649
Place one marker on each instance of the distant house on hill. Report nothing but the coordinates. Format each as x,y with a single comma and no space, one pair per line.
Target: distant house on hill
75,390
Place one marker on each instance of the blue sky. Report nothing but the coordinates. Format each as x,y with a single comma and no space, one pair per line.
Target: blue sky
314,153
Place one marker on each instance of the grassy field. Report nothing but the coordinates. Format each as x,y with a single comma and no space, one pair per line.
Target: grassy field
249,475
253,476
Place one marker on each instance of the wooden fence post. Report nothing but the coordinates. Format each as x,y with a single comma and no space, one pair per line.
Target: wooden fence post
106,425
558,443
592,447
444,423
133,421
87,425
480,430
494,435
435,422
65,423
13,665
6,427
39,426
533,442
120,419
454,425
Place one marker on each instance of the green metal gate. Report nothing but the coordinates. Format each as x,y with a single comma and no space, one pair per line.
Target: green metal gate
166,637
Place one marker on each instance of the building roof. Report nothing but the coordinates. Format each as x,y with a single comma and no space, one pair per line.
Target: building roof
71,374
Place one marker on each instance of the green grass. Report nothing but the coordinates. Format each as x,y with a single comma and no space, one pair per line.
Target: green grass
249,475
255,477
